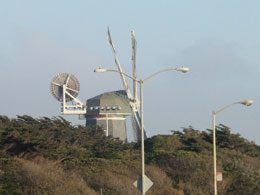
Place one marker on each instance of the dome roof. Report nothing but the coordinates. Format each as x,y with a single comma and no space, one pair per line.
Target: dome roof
109,102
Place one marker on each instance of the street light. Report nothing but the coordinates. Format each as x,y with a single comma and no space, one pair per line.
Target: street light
246,103
182,69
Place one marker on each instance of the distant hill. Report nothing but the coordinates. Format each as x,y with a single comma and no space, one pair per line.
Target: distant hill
50,156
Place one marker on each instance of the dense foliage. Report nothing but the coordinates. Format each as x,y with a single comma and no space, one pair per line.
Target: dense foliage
50,156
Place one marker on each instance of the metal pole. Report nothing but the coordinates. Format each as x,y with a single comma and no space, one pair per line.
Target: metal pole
64,98
107,123
142,135
214,153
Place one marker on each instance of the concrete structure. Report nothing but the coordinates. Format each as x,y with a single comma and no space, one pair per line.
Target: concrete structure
109,111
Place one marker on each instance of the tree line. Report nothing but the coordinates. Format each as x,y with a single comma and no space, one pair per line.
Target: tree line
52,156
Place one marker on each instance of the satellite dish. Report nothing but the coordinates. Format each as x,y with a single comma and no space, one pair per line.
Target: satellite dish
64,81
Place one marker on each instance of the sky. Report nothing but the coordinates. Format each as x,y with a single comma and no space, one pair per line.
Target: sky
217,40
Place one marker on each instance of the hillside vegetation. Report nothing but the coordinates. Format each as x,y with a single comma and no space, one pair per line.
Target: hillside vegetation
51,156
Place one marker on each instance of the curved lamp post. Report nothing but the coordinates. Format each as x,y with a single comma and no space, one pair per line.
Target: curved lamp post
246,103
182,69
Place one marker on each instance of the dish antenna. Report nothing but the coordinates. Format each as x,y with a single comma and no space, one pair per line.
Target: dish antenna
134,102
65,88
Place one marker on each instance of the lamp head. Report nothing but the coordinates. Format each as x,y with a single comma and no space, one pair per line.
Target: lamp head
247,102
183,69
100,70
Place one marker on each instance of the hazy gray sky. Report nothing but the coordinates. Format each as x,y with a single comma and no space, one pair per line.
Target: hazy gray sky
219,41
